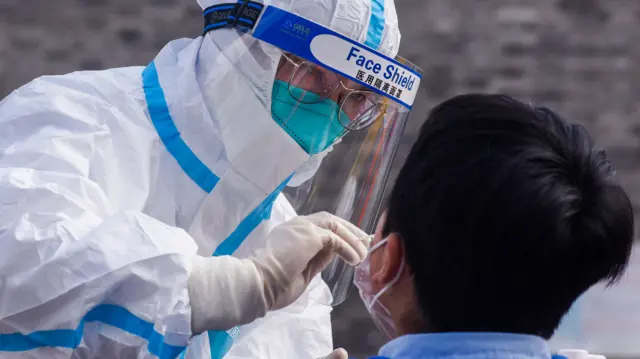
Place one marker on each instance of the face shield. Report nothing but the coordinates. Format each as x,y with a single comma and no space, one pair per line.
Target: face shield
350,183
344,103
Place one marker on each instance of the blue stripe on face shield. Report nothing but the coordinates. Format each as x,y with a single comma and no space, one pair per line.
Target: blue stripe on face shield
376,24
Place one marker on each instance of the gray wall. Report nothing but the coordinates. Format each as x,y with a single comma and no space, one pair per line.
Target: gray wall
577,56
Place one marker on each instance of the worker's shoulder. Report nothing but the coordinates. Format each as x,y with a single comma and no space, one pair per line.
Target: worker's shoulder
81,94
99,83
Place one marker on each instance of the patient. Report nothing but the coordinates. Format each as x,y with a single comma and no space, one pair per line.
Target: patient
501,217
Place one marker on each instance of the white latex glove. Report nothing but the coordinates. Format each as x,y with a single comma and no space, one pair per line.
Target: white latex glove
226,291
337,354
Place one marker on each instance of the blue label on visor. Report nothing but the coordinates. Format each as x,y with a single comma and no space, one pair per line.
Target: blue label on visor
321,45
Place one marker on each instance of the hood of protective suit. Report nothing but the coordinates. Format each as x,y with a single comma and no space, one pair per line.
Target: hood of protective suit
244,77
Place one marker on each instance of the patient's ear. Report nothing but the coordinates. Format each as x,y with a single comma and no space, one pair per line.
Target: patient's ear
392,254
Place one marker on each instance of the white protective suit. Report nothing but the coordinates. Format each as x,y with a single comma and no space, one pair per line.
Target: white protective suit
112,181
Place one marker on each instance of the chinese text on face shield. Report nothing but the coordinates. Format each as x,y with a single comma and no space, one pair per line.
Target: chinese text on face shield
391,73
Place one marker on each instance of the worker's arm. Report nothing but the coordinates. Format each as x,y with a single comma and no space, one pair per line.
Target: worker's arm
78,274
272,277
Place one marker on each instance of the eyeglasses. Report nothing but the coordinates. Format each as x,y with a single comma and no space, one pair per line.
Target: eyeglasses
358,108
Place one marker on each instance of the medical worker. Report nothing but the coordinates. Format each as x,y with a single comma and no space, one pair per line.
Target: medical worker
501,217
117,185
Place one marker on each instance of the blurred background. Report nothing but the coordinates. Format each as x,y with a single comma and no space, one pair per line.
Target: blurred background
579,57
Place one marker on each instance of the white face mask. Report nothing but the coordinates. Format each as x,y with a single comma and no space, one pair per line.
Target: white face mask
379,313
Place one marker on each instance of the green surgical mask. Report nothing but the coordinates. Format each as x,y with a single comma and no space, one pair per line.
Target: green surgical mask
314,126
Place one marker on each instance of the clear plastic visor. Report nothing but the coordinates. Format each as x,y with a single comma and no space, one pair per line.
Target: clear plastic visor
310,83
351,184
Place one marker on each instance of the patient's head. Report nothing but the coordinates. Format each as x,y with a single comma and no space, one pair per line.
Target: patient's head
503,215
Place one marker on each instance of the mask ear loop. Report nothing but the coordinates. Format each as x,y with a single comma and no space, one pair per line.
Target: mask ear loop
388,285
377,245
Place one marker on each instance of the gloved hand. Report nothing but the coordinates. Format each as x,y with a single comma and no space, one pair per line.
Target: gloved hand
337,354
225,291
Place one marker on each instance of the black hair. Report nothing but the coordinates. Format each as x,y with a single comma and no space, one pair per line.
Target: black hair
507,214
